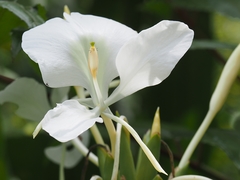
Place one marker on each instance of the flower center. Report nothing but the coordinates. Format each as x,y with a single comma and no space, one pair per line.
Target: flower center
93,60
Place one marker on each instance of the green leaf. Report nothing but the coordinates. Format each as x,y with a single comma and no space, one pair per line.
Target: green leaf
208,44
227,140
30,17
147,136
29,95
145,169
126,157
8,21
105,160
41,11
101,159
227,7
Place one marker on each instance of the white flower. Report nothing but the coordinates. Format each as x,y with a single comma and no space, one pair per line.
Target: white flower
90,51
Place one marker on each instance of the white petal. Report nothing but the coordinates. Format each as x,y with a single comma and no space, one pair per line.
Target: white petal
109,36
60,47
68,120
55,46
150,57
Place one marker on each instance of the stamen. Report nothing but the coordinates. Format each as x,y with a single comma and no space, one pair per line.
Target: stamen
93,60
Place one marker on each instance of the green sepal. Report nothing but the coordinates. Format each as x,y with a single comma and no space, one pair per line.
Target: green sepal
127,168
105,160
145,169
147,136
157,177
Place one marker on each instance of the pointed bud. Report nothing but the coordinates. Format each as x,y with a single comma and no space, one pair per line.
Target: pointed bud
229,74
156,126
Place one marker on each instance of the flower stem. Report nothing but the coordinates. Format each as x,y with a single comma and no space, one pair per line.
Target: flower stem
80,91
196,139
148,153
228,75
117,152
111,131
61,167
96,134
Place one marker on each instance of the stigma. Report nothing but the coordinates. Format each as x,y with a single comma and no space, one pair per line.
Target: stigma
93,60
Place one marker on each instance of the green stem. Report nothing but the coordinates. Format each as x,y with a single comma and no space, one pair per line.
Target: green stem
111,131
196,139
228,75
96,134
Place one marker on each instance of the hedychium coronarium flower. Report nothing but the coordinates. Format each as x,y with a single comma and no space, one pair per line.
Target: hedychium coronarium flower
90,51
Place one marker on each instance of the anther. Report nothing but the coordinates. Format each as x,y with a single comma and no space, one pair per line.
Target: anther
93,60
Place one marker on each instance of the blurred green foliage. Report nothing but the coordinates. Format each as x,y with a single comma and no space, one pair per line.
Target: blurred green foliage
183,97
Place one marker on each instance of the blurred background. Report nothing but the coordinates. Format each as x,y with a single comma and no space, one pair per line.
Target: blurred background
183,97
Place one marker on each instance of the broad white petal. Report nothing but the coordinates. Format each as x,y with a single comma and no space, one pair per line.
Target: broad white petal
60,47
55,46
150,57
109,36
69,119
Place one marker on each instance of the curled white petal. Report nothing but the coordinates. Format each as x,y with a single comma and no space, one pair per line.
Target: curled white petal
69,119
149,58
